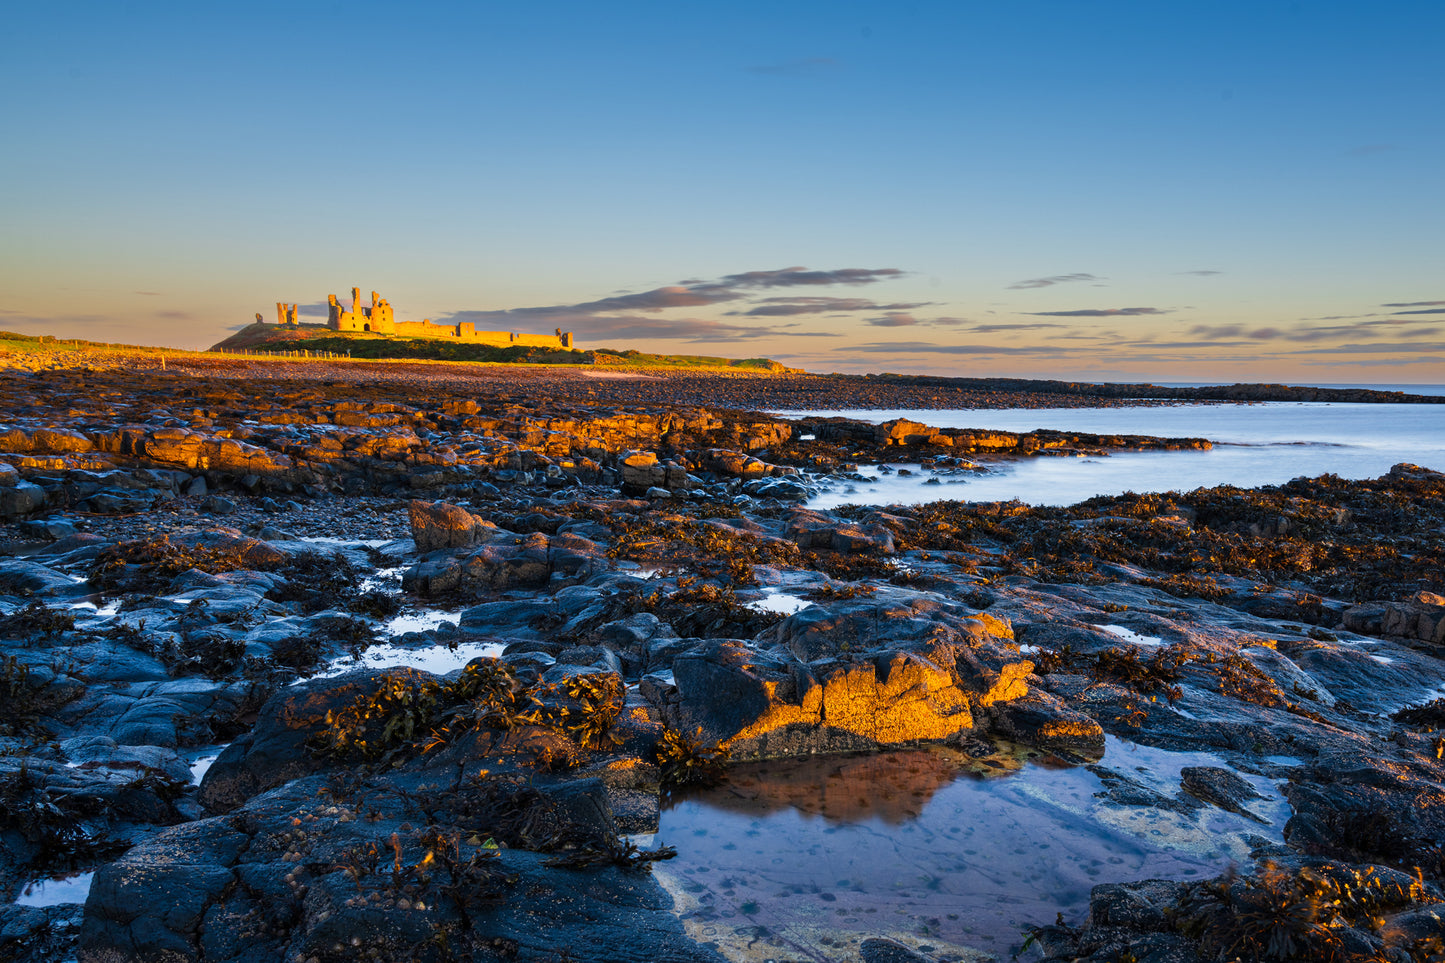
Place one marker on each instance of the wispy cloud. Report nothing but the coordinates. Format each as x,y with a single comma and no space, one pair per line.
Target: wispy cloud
1051,280
1225,332
730,287
793,276
1096,312
924,347
1180,345
1411,304
675,296
686,294
904,319
787,307
1029,326
150,294
894,319
1383,327
1381,347
1423,311
1202,274
1381,362
697,330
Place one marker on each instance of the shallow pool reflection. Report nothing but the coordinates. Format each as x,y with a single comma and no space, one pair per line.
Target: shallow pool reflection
949,854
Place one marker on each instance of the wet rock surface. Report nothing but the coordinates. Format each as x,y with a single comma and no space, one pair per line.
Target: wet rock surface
194,570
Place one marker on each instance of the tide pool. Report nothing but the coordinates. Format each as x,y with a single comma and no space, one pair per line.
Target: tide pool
932,848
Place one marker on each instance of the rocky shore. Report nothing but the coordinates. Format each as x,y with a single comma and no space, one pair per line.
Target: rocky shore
335,663
617,381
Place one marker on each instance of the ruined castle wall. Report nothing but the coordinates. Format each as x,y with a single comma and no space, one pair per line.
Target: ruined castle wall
424,329
540,340
381,319
468,335
503,338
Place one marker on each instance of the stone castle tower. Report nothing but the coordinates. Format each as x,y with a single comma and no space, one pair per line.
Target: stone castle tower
377,319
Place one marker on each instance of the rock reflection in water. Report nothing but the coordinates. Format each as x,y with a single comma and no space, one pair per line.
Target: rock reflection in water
803,860
891,788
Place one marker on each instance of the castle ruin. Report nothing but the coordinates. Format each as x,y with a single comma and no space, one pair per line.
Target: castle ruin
380,319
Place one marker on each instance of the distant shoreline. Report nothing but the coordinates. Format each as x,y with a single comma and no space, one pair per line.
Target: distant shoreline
736,387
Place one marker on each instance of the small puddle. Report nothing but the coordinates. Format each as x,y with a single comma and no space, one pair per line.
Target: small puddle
1129,635
436,659
1159,769
201,764
641,571
56,892
948,854
1424,699
776,600
353,542
91,609
383,580
423,621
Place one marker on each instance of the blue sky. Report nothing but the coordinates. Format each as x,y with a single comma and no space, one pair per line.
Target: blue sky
1163,191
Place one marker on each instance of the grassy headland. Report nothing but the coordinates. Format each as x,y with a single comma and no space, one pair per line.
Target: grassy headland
268,338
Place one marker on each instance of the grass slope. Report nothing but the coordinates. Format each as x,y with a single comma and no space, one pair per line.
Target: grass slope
270,337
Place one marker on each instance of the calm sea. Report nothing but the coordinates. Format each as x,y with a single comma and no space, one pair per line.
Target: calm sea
1255,444
1407,389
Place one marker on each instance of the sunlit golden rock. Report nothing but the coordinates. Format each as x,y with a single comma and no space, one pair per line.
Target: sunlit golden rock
437,525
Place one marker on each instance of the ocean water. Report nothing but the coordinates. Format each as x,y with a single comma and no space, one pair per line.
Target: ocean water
1255,444
1408,389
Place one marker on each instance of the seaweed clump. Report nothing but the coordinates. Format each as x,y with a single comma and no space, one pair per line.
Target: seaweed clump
688,761
702,610
36,620
149,564
409,712
20,708
1430,716
1328,912
46,821
713,550
1159,673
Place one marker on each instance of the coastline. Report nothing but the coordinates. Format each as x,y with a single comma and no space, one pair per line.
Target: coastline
610,538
